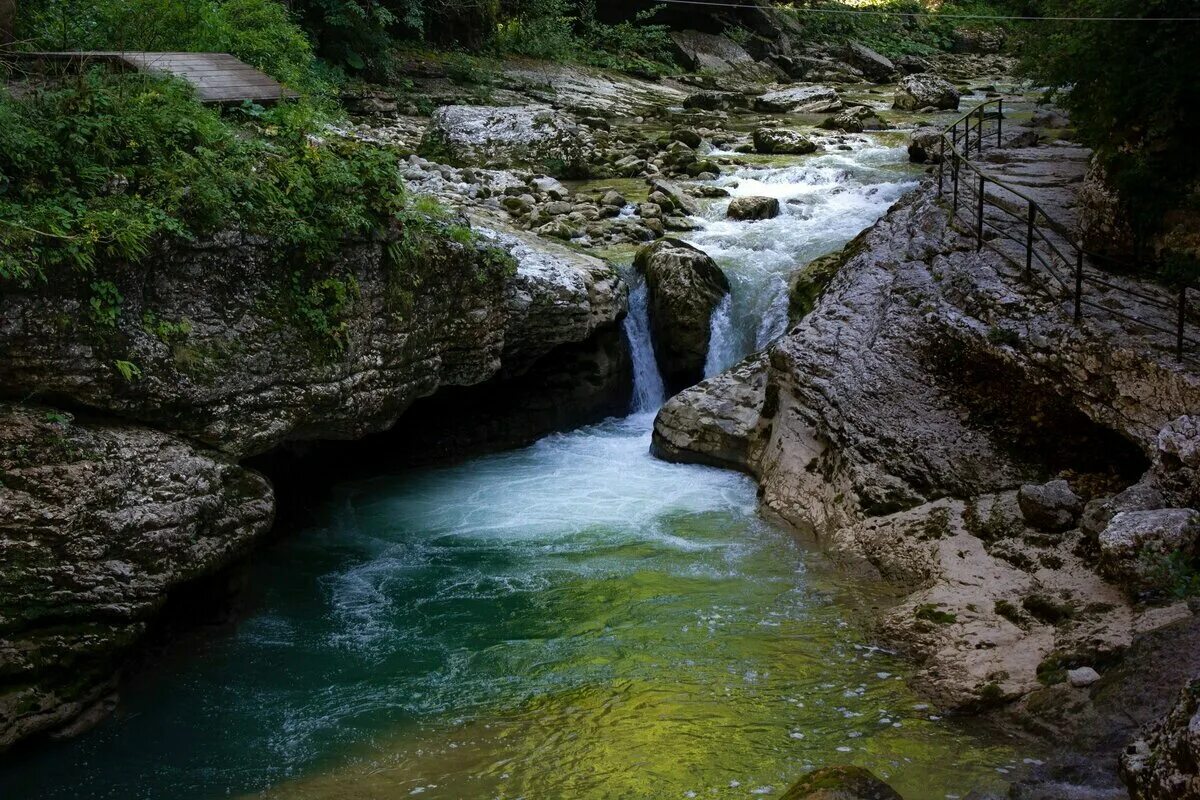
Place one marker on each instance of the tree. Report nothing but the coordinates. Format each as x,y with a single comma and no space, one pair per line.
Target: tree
8,21
1130,89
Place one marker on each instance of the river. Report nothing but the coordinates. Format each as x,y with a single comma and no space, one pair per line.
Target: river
572,619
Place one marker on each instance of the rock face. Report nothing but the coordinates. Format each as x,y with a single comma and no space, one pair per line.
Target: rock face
1136,542
874,423
536,137
1164,764
873,66
240,350
754,208
925,90
98,523
1051,506
780,141
685,286
800,100
840,783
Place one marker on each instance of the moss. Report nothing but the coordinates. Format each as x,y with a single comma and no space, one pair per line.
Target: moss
936,525
931,613
809,283
1010,612
1047,610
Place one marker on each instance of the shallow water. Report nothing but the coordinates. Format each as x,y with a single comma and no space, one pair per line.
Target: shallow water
573,619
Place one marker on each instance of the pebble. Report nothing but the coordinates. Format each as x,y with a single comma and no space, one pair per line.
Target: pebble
1081,677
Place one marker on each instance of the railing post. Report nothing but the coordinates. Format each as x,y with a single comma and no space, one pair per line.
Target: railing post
1029,240
979,131
1078,284
1000,122
954,179
1179,325
979,218
941,164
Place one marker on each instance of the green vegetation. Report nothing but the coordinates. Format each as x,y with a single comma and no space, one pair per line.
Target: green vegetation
1173,574
1130,90
931,613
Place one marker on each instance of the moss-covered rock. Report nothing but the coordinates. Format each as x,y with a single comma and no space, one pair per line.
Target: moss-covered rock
840,783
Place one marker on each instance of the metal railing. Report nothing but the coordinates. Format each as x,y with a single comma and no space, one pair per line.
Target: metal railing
1049,246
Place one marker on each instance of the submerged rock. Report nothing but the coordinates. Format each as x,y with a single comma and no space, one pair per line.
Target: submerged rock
535,137
925,90
100,522
754,208
780,141
840,783
685,286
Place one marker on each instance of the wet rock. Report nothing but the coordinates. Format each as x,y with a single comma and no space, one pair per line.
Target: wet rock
854,120
630,166
716,101
925,91
689,136
753,208
515,136
925,146
781,141
100,522
613,198
685,287
840,783
678,197
800,100
1135,543
1050,506
873,66
705,166
558,229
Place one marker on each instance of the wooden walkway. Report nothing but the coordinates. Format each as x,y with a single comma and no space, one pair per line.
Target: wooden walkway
218,77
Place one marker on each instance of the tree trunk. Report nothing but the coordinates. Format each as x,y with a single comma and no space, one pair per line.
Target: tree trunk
8,21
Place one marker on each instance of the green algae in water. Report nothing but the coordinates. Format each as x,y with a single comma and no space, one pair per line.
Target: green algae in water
575,619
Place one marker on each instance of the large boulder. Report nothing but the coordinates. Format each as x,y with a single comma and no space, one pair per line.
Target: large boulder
925,146
531,137
873,66
781,141
753,208
800,100
925,90
977,40
100,521
854,120
685,286
679,199
1050,506
1137,545
1164,763
840,783
707,52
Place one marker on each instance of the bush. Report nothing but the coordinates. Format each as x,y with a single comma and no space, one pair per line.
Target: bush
103,165
1130,90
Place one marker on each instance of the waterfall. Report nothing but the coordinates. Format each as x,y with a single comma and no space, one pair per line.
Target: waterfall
723,345
648,390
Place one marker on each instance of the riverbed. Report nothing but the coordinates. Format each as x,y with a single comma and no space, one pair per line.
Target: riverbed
572,619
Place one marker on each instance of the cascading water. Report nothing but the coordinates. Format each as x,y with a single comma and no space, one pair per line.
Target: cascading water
573,619
648,389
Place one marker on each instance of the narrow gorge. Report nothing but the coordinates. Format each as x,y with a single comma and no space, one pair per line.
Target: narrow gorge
667,432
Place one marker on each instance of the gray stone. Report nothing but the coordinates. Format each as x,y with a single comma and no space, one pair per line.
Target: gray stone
753,208
781,141
911,64
800,100
1082,677
707,52
1135,540
925,146
515,136
689,136
1142,496
1051,506
685,287
925,90
678,196
855,119
613,198
872,65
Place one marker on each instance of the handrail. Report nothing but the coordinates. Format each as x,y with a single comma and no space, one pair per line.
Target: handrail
955,161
